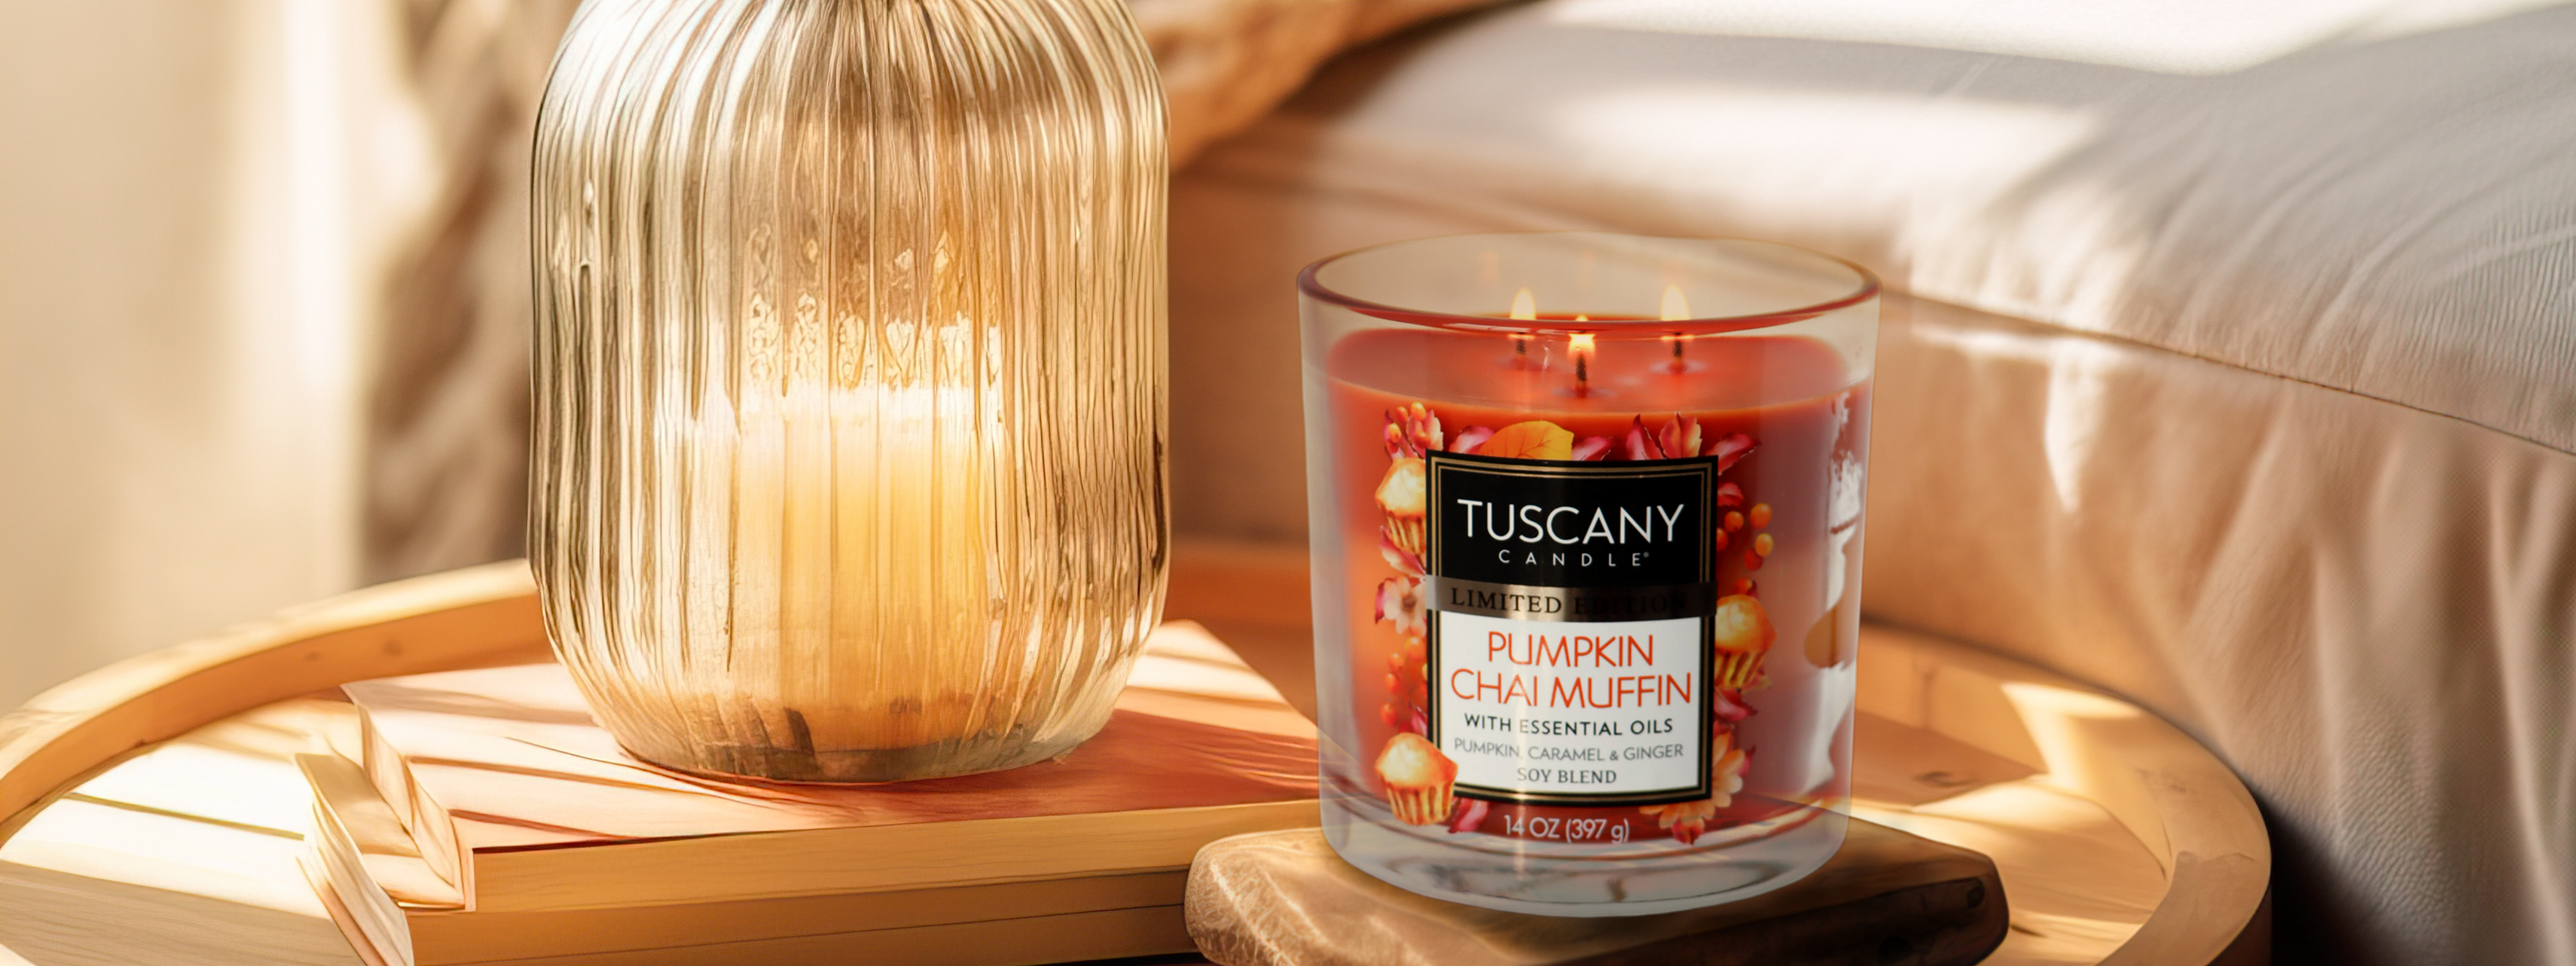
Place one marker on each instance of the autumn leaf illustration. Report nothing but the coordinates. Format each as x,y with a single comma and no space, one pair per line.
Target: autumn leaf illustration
1469,814
1679,437
1537,439
1730,448
1470,438
1637,444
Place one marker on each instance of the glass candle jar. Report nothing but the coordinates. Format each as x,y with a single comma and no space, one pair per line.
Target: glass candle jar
850,378
1586,518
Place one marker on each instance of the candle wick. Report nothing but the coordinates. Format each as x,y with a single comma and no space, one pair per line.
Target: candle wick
1580,347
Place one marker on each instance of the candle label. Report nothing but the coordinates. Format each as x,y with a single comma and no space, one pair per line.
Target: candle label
1569,630
1570,610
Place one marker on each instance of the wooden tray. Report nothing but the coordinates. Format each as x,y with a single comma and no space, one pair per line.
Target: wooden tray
2119,839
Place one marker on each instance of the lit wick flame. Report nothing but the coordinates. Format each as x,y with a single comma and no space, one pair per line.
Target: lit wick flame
1676,308
1524,308
1581,347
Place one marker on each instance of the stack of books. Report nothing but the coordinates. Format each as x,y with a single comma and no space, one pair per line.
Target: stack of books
481,817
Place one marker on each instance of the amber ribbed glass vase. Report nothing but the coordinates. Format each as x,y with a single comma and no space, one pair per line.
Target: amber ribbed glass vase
849,372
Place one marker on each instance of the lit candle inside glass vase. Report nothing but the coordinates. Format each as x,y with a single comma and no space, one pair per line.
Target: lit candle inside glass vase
850,405
851,579
857,569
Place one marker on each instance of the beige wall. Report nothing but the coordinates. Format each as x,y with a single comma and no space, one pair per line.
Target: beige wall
183,185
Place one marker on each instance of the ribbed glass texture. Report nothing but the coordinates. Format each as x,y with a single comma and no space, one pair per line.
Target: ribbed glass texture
850,378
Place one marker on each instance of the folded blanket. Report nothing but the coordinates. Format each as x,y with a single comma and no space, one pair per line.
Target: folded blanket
1227,62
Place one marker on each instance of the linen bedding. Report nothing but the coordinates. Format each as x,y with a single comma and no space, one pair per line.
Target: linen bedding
2231,365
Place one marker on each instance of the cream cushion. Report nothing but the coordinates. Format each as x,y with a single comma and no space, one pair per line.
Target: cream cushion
2233,369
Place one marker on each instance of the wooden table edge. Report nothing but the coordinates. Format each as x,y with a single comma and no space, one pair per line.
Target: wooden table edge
458,618
2221,856
478,615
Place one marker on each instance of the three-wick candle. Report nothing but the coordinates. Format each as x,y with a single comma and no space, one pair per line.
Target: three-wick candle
1585,515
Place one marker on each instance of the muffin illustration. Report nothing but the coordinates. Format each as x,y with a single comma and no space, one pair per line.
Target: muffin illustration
1743,633
1418,779
1401,494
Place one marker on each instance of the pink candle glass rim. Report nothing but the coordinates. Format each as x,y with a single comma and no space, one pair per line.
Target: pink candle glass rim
1309,282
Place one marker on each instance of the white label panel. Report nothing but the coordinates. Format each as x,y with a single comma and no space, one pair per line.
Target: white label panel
1570,708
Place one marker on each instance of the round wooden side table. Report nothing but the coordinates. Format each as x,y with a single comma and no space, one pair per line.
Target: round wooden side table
2119,839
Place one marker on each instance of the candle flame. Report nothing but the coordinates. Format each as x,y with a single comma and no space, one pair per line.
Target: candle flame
1676,308
1523,306
1582,341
